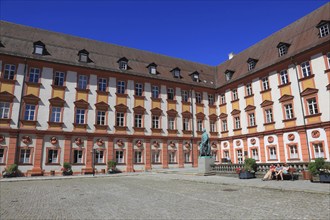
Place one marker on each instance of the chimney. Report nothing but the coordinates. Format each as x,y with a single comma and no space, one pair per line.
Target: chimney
231,55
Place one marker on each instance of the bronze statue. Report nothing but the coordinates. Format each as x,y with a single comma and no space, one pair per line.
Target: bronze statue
204,147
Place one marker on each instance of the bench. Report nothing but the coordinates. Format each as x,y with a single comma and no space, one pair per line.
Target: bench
291,175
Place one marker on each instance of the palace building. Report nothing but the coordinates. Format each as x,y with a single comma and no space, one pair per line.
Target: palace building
71,99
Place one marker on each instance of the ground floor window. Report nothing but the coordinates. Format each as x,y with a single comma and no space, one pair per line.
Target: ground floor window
239,156
254,153
2,155
293,152
52,156
272,153
77,156
155,156
99,156
25,155
172,157
120,156
318,150
215,155
138,157
187,157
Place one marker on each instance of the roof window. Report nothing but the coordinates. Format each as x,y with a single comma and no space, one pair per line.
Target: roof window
251,63
229,74
282,48
152,68
323,27
123,63
176,72
84,56
39,48
195,76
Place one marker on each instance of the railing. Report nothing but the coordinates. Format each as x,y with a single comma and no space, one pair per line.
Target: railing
262,167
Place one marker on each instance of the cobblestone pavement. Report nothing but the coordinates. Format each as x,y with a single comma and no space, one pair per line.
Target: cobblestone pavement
154,196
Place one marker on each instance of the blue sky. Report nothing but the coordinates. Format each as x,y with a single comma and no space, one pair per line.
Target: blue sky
199,31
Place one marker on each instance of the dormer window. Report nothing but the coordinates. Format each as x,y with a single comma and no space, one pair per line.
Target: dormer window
251,63
152,68
229,74
123,63
282,48
323,27
1,44
176,72
39,48
83,56
195,76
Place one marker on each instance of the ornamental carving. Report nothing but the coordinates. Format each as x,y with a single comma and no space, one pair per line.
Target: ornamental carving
78,141
120,143
100,142
270,139
156,144
253,141
238,143
315,134
291,137
225,144
187,144
138,143
172,144
26,139
214,145
53,140
2,138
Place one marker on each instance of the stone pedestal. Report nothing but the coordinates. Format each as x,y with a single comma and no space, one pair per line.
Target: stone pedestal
204,165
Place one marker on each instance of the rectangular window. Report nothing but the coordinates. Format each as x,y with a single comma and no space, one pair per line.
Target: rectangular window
312,106
199,125
138,89
318,150
239,156
224,125
249,90
255,154
29,112
306,69
34,75
9,71
272,153
328,56
77,156
212,126
293,152
4,109
138,121
52,156
155,156
282,50
187,157
186,124
198,97
137,156
120,119
59,79
80,116
102,85
284,77
288,111
123,65
155,92
237,122
56,114
252,119
226,155
222,99
211,99
155,122
82,82
269,115
170,93
251,65
2,155
235,95
172,157
100,118
121,87
265,83
171,123
25,156
120,156
215,155
185,96
324,30
99,156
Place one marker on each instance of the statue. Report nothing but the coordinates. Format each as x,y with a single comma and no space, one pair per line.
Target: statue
204,147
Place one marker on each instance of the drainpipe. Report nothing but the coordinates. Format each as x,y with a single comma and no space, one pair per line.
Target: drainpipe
192,128
302,107
20,113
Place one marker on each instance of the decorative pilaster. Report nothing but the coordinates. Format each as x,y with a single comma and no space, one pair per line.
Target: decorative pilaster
148,155
37,163
181,156
304,145
281,154
129,162
89,156
67,149
262,149
110,151
12,150
195,154
165,155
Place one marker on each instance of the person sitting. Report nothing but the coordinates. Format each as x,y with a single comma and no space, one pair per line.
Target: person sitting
279,171
268,175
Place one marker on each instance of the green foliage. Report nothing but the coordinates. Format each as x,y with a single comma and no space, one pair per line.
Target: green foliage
66,165
250,164
12,168
314,167
112,164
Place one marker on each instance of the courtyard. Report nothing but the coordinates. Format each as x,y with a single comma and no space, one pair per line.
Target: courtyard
162,196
